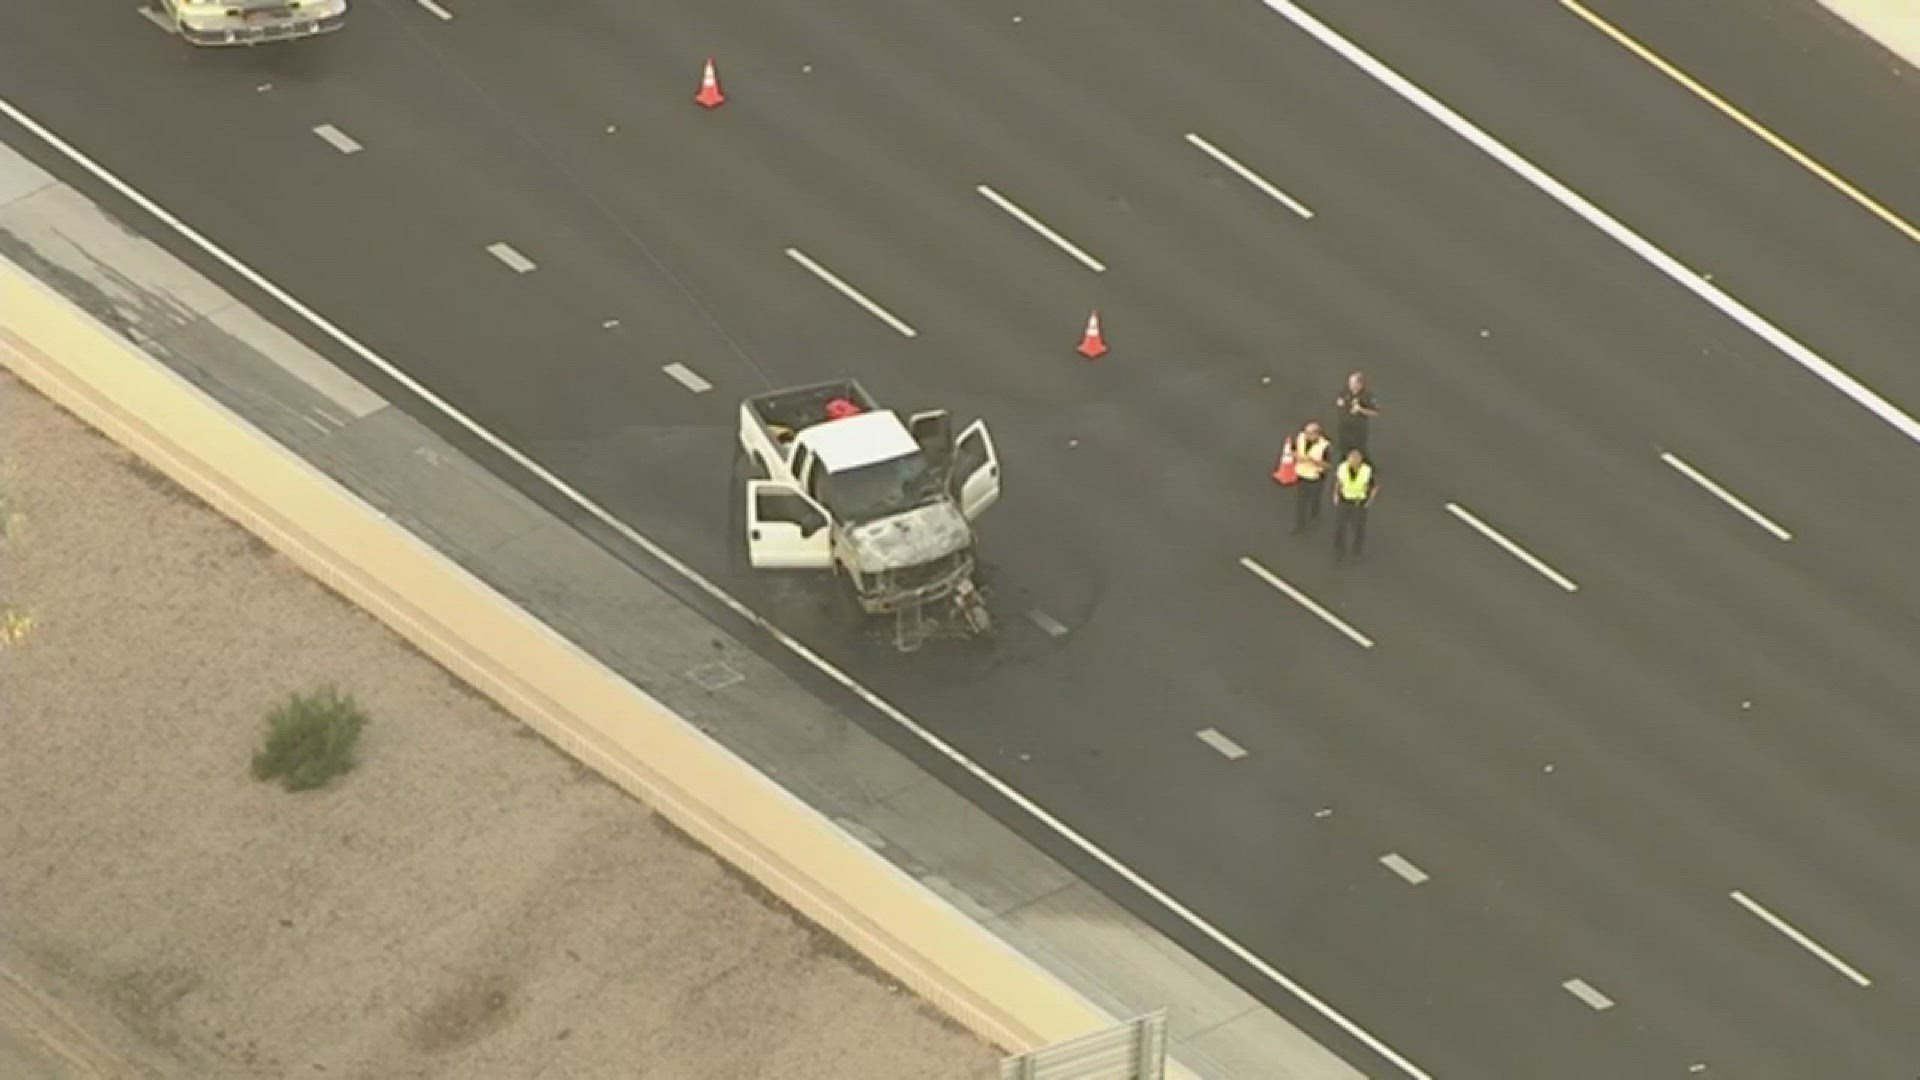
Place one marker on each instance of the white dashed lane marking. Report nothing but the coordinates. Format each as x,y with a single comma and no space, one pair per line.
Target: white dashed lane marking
515,261
1799,938
1040,227
1593,998
1307,602
851,293
1249,175
1727,497
438,12
337,139
1228,748
1399,865
1512,548
1047,622
687,377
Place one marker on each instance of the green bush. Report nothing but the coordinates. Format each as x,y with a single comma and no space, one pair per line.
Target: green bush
310,740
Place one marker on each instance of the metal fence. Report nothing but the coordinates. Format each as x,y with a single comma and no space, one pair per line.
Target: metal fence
1135,1050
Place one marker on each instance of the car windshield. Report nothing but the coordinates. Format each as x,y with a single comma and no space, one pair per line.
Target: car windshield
885,487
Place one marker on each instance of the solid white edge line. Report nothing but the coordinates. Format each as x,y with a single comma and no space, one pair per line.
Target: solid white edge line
1594,999
1512,548
439,12
1399,864
1307,602
1249,175
1600,219
819,663
515,261
850,292
337,139
1799,938
1040,227
1725,496
687,377
1228,749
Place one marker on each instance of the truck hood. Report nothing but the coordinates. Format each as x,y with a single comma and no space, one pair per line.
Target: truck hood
909,539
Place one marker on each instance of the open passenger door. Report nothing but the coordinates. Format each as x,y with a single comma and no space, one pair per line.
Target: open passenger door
934,432
976,470
785,529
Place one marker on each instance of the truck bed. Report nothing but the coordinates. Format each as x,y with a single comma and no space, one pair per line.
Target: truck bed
800,407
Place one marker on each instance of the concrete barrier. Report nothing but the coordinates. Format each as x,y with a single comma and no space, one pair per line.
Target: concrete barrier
534,673
1895,24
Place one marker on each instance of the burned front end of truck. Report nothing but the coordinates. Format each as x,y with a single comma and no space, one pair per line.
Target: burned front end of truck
919,568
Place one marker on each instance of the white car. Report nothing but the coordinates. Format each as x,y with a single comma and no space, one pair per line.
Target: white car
252,22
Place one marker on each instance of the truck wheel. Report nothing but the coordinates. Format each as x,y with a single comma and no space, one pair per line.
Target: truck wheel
736,540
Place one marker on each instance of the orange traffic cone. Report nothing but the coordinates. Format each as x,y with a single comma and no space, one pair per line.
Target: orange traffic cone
1092,345
710,95
1286,472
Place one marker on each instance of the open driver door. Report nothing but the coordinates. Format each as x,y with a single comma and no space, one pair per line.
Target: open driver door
786,530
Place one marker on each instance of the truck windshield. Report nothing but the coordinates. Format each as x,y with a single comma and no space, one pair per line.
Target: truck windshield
882,488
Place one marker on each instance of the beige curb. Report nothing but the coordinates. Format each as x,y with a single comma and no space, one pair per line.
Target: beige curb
532,672
1895,24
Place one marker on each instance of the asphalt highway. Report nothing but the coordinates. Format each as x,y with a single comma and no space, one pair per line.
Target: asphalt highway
1682,790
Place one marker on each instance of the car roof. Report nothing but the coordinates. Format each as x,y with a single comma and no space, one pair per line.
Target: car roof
860,440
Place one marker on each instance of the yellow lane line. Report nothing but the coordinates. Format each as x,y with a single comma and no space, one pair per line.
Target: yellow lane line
1838,182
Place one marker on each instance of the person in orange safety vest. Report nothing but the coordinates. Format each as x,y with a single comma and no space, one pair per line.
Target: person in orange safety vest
1309,450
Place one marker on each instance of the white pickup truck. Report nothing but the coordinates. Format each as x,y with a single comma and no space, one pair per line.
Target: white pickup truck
250,22
886,502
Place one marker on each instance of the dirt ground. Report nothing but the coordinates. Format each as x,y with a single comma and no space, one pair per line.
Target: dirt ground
467,904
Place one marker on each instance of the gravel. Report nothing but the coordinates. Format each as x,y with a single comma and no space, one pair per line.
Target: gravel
468,903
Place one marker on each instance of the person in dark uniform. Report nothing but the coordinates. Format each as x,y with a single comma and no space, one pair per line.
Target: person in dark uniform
1353,490
1357,408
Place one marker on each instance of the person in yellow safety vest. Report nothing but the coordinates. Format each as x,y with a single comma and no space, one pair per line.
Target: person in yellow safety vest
1353,492
1309,448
